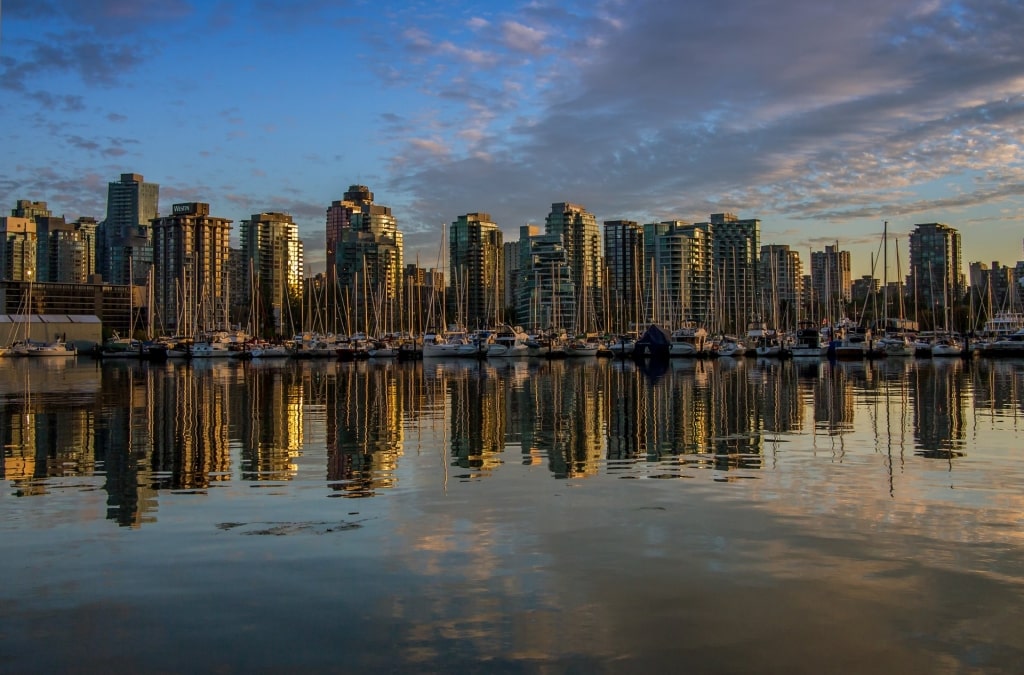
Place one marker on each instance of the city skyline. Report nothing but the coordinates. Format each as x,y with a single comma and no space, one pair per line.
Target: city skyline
905,112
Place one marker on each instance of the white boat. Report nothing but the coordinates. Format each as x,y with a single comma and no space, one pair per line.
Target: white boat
58,348
582,347
509,343
689,340
808,342
947,345
852,343
622,346
895,345
729,346
446,345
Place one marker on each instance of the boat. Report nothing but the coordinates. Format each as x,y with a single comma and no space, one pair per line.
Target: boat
655,343
728,346
437,345
690,340
622,345
853,343
947,344
56,348
766,342
1007,345
509,342
896,344
808,342
269,351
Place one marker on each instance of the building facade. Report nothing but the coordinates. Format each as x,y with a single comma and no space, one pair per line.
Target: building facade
272,254
581,240
782,282
125,246
624,262
678,273
191,249
18,249
736,244
476,262
546,293
936,277
367,262
832,280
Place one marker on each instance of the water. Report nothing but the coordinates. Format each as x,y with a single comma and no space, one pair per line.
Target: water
512,517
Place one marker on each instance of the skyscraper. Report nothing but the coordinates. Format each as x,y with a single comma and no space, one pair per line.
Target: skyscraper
782,281
832,280
623,256
477,278
125,251
581,239
18,249
190,269
273,255
367,259
736,245
935,265
678,270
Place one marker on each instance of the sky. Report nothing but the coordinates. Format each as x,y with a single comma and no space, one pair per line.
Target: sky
823,119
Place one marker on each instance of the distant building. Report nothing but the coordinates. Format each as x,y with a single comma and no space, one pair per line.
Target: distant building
994,289
125,246
936,277
476,257
736,246
678,273
581,240
272,252
190,269
781,280
624,260
367,261
831,278
18,249
547,294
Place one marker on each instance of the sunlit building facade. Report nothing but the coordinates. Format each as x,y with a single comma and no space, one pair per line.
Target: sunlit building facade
190,266
581,239
272,253
368,261
475,264
623,256
736,246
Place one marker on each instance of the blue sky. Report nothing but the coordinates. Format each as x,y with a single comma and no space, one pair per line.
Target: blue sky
820,118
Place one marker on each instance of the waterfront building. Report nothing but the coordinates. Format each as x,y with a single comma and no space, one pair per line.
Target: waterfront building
116,306
40,214
831,279
678,273
68,250
546,293
510,265
581,240
935,276
736,246
782,281
624,262
993,289
475,265
190,269
367,261
272,253
124,238
18,249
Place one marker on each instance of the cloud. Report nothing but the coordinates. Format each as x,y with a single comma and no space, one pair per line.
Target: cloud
522,38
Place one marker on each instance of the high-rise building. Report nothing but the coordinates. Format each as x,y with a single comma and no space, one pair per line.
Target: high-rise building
18,249
510,265
581,240
678,271
475,266
125,246
831,279
190,269
624,260
935,265
273,254
736,245
39,213
546,293
782,281
368,261
69,250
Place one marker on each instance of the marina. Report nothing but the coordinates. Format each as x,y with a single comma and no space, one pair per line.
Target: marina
513,515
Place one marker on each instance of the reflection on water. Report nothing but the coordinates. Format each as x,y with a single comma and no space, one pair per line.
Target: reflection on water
582,516
179,427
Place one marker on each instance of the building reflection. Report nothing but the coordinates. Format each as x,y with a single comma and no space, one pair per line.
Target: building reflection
143,428
938,392
364,427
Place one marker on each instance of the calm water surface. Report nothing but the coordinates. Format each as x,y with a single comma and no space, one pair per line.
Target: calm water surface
512,517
